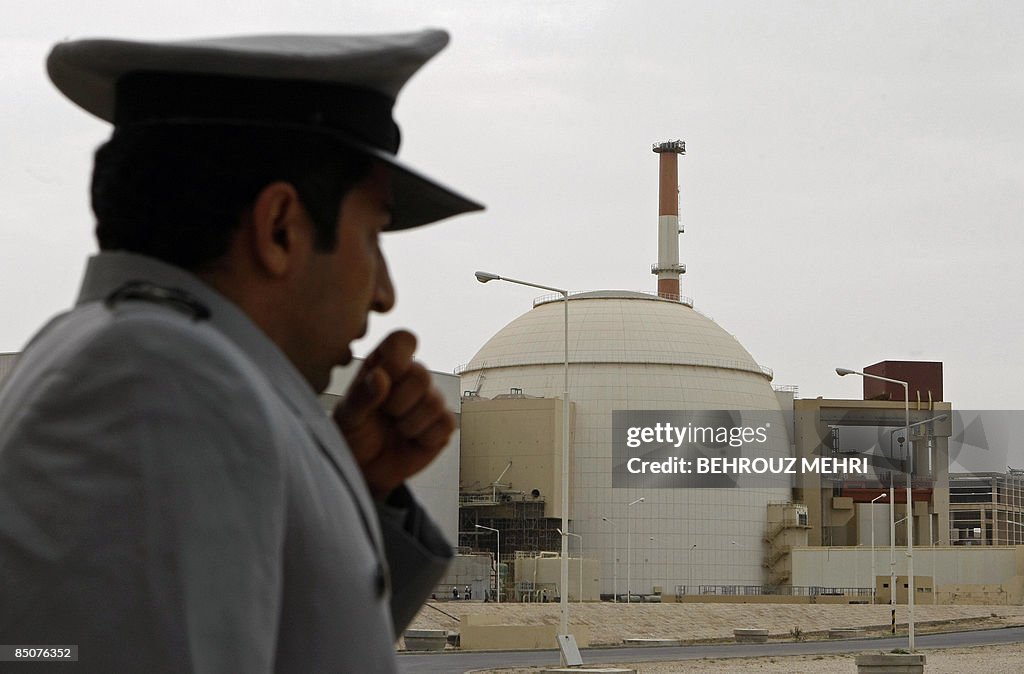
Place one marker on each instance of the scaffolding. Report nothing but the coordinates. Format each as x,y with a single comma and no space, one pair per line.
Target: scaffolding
986,508
519,517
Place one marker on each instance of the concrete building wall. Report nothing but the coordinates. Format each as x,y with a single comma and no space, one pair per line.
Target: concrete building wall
475,571
958,573
544,573
523,432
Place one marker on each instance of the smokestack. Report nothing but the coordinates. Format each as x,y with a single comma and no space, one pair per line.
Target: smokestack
668,268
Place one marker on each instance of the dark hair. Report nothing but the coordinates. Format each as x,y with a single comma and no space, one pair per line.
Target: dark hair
179,192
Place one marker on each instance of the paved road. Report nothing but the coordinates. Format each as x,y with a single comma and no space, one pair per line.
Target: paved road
451,663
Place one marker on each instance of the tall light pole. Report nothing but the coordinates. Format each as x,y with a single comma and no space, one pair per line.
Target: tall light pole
569,533
615,559
497,562
931,542
484,277
689,567
873,576
629,556
842,372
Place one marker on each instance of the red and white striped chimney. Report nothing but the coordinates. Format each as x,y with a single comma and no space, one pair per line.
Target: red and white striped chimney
668,268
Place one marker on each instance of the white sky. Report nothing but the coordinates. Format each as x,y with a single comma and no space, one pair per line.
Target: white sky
853,189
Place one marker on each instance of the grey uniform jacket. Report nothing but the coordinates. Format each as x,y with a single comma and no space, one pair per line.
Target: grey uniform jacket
174,498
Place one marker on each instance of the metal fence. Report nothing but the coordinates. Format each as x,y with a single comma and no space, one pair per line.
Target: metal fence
782,590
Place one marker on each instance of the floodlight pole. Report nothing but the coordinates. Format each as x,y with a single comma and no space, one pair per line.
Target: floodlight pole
569,533
484,277
842,372
615,559
873,576
497,562
629,549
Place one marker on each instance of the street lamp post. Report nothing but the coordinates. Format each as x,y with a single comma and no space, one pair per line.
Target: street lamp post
497,562
629,556
931,540
615,559
842,372
569,533
689,567
484,277
873,576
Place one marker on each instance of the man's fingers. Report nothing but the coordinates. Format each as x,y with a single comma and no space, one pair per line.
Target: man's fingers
372,385
437,435
394,354
365,395
408,391
427,411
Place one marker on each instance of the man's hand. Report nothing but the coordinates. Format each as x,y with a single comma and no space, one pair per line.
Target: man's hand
394,419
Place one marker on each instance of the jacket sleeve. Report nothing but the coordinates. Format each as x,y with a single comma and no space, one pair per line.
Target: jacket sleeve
418,555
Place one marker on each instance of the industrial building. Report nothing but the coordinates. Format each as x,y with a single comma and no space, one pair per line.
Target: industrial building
626,351
832,532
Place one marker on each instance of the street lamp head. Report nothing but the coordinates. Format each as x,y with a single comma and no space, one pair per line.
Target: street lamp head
485,276
842,371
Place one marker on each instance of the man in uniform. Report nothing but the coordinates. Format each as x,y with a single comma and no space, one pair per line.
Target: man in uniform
172,496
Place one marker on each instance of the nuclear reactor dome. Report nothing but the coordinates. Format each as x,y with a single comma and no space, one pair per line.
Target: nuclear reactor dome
634,351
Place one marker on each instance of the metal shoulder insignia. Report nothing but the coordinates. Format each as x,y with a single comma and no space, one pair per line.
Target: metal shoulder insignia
174,298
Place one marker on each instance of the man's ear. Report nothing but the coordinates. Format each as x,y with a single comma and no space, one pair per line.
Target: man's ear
278,227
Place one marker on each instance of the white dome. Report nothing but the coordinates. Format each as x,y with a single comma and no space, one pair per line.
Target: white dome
615,327
632,351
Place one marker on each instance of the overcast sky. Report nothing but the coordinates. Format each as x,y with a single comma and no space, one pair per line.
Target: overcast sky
853,188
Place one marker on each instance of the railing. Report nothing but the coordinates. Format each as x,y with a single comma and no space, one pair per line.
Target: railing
557,297
476,499
772,559
767,590
648,359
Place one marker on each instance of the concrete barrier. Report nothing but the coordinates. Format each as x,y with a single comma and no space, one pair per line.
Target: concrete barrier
890,663
425,640
845,632
588,670
651,642
487,632
750,635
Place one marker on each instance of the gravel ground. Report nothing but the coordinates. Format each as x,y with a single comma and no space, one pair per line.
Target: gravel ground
1007,659
990,659
610,623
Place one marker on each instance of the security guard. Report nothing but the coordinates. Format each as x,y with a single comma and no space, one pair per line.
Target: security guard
172,496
